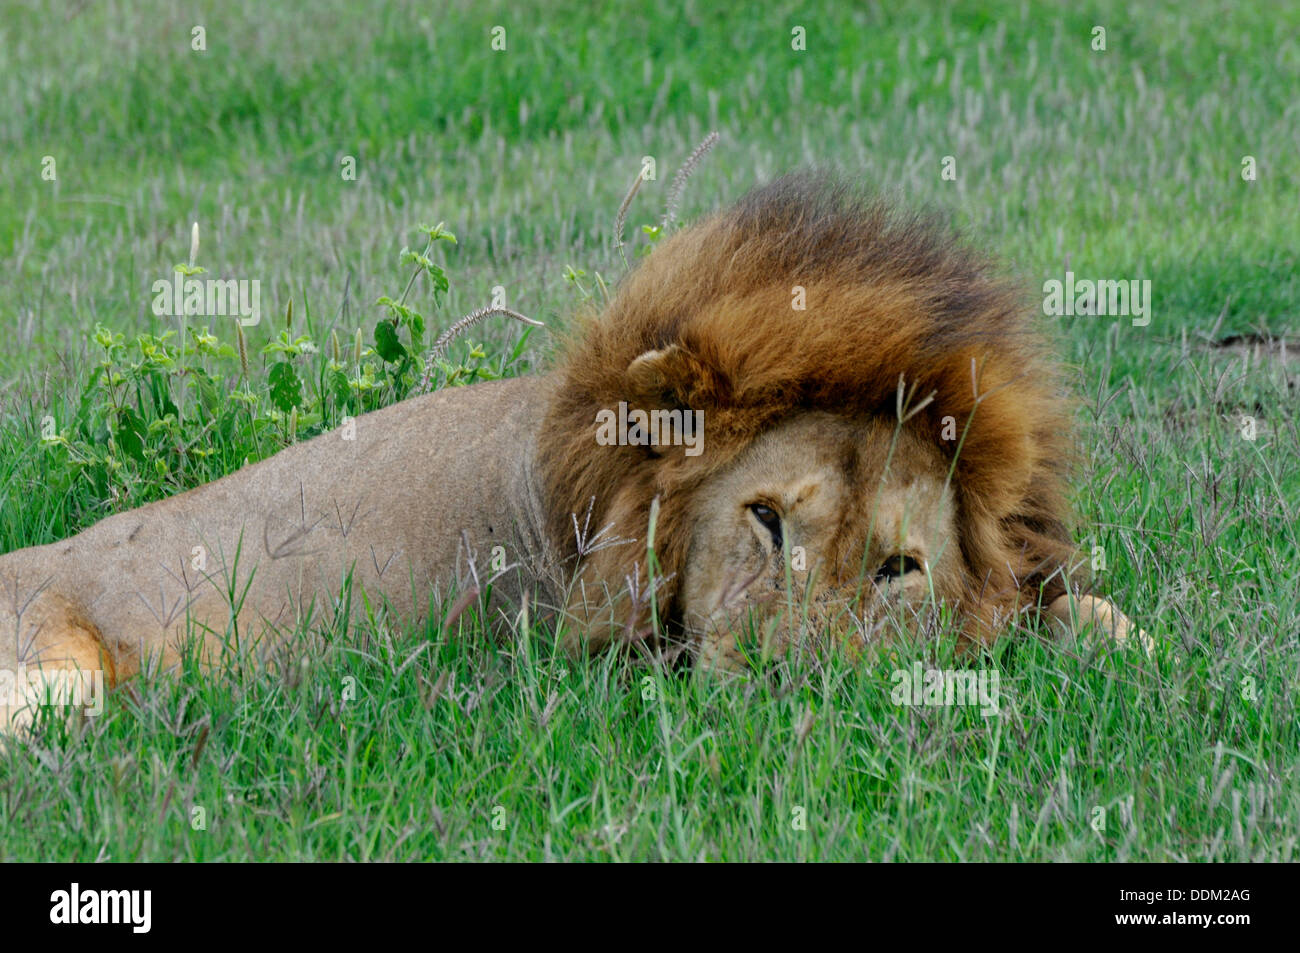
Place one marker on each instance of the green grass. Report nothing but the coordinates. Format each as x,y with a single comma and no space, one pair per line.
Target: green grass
1123,163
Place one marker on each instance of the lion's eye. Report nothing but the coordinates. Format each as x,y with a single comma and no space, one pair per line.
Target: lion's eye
770,520
896,566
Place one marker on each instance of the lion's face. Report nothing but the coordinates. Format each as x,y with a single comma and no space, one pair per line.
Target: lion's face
799,408
823,526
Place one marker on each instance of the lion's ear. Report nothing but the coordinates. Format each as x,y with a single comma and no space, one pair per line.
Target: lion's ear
657,377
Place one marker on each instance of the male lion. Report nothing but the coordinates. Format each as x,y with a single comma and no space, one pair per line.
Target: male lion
883,436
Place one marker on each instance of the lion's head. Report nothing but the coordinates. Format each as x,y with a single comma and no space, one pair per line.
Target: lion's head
883,434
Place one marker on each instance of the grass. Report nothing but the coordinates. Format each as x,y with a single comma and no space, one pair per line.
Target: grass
1123,163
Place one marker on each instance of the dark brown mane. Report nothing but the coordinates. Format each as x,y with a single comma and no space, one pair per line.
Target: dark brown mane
888,295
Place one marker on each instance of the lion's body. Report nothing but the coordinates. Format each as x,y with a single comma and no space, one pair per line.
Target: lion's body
790,322
394,507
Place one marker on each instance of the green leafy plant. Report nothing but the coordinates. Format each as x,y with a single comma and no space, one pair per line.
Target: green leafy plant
163,412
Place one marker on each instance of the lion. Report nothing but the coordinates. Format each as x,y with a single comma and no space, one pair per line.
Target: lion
883,440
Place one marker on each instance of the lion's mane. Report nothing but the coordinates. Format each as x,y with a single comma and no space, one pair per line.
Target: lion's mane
888,295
